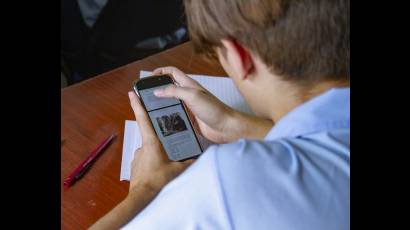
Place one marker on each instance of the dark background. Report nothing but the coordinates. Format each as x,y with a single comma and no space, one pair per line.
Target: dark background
111,41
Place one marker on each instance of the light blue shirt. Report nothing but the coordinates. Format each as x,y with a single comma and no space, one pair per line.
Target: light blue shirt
298,177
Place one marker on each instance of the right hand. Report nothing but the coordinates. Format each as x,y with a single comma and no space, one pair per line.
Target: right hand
212,116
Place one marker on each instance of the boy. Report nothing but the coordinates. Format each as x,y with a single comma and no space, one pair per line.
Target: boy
291,62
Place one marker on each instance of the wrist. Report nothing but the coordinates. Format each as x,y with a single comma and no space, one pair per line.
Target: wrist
136,200
247,126
234,125
138,191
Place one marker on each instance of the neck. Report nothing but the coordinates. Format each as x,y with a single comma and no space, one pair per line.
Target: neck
292,96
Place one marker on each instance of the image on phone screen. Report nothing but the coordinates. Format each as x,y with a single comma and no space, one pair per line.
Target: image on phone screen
171,125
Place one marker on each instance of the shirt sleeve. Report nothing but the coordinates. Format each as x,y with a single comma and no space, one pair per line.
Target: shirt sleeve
191,201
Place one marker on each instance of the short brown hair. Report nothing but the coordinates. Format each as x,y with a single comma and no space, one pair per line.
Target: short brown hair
300,40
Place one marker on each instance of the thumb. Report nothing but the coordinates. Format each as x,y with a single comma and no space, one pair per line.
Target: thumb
144,123
181,165
189,162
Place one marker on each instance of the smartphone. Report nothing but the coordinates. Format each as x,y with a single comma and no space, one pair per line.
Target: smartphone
169,119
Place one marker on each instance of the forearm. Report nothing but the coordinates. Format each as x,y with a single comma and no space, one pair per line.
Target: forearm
134,203
246,126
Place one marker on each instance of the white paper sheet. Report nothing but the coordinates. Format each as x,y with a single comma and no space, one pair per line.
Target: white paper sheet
222,88
132,140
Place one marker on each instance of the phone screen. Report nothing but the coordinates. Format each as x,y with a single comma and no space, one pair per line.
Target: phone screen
171,124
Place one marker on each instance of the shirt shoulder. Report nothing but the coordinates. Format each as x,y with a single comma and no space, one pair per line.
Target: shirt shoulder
279,181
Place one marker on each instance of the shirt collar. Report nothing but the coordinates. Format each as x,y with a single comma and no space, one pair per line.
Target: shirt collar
330,110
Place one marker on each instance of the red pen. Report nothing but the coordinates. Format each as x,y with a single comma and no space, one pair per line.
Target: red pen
86,164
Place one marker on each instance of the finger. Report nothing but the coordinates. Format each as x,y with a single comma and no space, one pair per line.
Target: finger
183,164
189,162
185,96
182,93
180,77
147,132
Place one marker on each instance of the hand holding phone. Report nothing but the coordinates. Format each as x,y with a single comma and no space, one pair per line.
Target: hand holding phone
169,119
151,167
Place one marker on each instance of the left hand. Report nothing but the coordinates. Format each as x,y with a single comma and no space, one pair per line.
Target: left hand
151,168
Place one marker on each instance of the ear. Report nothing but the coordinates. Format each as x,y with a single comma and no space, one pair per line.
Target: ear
238,58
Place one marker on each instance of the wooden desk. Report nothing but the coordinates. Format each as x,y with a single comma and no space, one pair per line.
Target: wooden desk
92,110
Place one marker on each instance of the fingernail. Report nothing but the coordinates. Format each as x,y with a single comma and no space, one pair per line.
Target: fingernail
158,92
130,94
